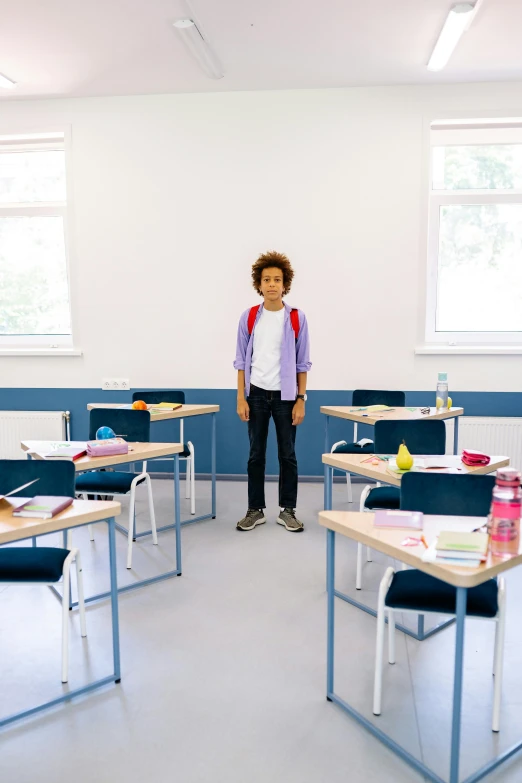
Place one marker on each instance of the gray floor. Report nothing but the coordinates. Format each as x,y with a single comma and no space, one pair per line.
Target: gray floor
223,669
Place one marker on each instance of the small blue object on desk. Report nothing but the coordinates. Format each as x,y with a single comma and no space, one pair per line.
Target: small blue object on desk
103,433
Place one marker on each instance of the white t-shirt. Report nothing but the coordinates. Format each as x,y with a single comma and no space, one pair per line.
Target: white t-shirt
266,353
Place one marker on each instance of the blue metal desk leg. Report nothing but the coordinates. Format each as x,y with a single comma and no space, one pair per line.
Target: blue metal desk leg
326,434
177,514
114,602
456,435
457,684
328,483
330,582
213,458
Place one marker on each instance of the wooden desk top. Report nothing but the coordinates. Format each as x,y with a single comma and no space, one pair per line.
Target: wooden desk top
355,463
359,527
353,413
82,511
180,413
137,453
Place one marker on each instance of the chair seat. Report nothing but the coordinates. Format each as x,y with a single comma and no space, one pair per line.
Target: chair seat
420,592
354,448
106,482
31,564
185,452
383,497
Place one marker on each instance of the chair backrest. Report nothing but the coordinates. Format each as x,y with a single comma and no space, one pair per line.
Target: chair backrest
421,437
133,426
159,395
447,493
379,397
54,478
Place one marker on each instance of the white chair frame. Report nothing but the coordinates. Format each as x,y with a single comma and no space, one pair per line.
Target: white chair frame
73,556
132,506
190,472
358,573
348,478
383,611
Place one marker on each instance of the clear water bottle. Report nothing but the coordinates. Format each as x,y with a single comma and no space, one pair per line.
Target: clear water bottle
442,391
504,517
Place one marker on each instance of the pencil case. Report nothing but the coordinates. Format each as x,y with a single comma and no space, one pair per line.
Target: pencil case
107,448
471,458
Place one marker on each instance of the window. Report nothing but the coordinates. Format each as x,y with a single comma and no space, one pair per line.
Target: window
34,285
474,292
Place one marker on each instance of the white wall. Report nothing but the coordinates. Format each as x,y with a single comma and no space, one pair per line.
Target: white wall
176,195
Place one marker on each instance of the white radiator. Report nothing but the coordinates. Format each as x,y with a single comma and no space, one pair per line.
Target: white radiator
494,435
16,426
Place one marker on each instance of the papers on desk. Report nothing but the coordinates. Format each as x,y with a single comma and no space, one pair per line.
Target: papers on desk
46,448
158,407
444,462
71,453
373,408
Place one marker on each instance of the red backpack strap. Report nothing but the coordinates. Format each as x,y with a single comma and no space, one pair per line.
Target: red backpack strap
252,318
294,320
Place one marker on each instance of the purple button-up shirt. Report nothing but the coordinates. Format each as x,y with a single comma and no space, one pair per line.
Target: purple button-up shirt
295,354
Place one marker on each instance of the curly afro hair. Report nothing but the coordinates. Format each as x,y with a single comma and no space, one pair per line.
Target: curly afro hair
272,259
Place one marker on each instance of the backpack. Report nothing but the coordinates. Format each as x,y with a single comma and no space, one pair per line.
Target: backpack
294,319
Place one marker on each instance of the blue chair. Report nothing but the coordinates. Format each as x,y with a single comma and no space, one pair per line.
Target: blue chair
134,426
421,437
188,453
43,565
419,593
362,398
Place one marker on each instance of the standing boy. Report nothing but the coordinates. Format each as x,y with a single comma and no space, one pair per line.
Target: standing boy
272,360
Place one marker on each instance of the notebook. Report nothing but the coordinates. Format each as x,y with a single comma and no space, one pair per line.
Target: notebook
466,546
68,452
411,520
165,406
42,507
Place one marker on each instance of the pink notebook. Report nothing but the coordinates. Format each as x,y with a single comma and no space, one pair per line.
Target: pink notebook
409,520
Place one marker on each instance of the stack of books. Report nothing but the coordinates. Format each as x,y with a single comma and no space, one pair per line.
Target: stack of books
462,549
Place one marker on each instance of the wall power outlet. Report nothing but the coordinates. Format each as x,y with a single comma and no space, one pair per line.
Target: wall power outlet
116,384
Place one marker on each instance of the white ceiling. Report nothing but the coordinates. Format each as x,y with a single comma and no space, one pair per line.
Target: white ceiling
124,47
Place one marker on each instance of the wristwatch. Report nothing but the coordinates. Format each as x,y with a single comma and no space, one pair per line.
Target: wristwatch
302,397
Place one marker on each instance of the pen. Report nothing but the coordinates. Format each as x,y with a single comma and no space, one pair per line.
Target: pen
424,541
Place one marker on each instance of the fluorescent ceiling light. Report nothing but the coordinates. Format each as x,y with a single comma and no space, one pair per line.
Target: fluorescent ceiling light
457,22
7,83
199,47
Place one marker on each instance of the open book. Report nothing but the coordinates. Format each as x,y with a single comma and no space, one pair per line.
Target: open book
14,492
444,462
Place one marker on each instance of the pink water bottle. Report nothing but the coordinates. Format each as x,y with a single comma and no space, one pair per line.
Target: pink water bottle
504,517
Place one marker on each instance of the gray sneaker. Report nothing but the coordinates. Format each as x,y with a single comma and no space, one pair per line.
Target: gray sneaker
288,518
253,517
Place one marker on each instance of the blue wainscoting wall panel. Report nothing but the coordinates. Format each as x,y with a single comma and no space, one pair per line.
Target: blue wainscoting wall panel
232,435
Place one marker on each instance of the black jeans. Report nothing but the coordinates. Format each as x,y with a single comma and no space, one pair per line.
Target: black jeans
264,404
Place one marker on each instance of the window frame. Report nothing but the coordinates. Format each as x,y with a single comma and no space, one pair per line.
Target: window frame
34,140
437,198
